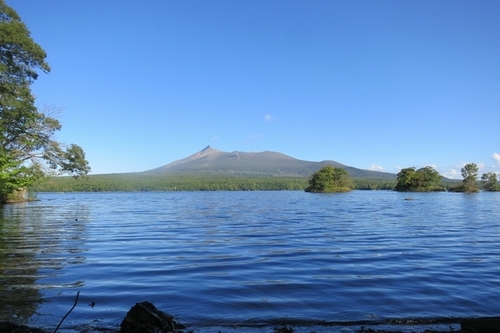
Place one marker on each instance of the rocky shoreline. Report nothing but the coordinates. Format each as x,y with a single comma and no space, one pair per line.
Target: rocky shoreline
144,317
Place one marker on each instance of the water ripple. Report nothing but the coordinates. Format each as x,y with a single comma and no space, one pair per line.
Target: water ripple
224,258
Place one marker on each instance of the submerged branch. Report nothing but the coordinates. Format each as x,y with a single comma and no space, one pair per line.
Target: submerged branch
76,301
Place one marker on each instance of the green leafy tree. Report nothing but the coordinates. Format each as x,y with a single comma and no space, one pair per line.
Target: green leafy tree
489,182
406,179
470,173
330,179
27,150
428,178
421,180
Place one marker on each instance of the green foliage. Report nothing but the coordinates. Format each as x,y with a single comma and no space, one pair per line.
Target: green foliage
406,179
27,151
469,183
20,56
470,172
14,175
330,179
489,182
151,182
422,180
148,182
373,184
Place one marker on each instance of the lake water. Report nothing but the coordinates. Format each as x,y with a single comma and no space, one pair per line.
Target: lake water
322,262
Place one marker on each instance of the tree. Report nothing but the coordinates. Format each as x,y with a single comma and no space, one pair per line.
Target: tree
406,179
470,172
330,179
428,178
489,182
27,149
421,180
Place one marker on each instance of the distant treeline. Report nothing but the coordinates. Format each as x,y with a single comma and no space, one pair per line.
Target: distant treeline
151,182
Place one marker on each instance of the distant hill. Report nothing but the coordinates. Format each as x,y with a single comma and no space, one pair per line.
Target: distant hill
267,163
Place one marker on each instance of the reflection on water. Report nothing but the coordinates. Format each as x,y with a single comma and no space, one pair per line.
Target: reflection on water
31,239
18,267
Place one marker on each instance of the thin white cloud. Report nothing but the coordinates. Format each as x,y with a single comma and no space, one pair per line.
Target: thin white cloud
452,173
455,172
214,138
268,117
374,167
496,157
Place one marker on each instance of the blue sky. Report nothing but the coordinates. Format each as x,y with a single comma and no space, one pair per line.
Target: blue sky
377,85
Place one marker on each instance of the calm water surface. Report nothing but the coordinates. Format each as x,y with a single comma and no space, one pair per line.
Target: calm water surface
223,258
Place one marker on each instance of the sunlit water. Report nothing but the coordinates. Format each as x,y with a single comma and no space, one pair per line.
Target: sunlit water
248,258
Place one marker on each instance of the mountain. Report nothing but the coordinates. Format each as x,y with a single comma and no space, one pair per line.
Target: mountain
267,163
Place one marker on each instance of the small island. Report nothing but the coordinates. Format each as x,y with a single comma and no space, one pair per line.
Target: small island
429,180
335,179
330,179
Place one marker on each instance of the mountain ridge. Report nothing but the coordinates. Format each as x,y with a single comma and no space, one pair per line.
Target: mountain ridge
266,163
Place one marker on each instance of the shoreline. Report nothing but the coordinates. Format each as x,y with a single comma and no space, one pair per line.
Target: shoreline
444,325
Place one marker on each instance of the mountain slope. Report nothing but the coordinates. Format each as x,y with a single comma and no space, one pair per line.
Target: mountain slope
268,163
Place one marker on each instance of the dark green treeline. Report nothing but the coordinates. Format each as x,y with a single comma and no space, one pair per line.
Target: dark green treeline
151,182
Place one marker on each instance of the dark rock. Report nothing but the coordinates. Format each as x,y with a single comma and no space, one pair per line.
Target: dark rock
283,329
8,327
146,318
481,325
